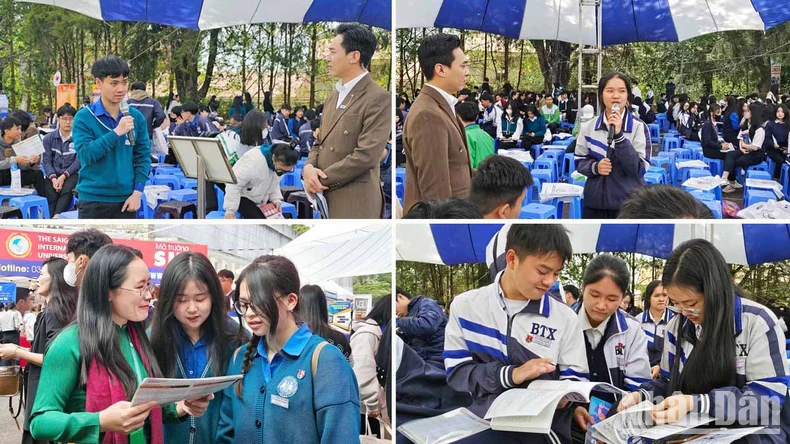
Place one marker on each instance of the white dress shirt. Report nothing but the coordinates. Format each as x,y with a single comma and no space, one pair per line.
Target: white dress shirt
593,334
343,90
451,100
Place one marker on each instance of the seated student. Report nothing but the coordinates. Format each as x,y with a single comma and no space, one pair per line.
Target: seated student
258,173
661,106
421,323
663,202
444,209
689,121
711,147
280,128
732,362
750,151
510,127
61,163
572,296
306,137
616,345
481,145
195,125
534,128
486,347
492,114
654,323
499,187
644,110
10,132
776,135
551,113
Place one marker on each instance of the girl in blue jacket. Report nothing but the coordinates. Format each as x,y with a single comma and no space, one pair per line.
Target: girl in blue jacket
193,337
731,362
294,389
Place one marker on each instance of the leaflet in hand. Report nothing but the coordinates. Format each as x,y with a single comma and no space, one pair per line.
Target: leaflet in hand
167,391
531,410
637,422
29,147
319,202
444,429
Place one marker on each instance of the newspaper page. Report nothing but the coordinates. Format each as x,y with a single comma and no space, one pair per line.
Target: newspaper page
166,391
30,147
444,429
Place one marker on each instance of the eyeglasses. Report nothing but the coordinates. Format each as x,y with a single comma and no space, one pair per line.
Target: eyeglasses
148,289
66,119
684,311
241,307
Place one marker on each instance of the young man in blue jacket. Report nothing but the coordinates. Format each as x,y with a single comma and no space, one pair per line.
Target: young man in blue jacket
113,170
421,323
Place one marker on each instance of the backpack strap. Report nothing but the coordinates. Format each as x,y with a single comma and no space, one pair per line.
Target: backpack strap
316,354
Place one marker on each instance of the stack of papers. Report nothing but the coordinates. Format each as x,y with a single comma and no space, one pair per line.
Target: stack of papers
703,183
444,429
521,156
560,190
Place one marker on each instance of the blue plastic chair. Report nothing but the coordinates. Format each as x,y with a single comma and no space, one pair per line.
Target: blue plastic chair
654,178
716,166
167,179
183,195
757,195
188,184
757,174
661,171
669,143
220,215
574,203
546,163
543,174
288,209
681,153
655,132
538,211
536,150
715,208
698,172
70,214
568,165
784,179
33,207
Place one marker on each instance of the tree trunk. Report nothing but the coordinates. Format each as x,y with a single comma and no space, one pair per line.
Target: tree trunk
290,58
313,68
520,66
506,42
553,58
485,55
271,58
82,66
212,58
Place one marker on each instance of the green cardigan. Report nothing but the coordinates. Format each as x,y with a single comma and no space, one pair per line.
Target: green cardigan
59,409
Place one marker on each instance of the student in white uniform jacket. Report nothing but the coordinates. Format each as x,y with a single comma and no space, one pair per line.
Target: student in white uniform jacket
258,174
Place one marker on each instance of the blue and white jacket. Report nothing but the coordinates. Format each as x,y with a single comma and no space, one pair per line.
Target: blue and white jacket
630,158
655,334
484,343
625,351
761,380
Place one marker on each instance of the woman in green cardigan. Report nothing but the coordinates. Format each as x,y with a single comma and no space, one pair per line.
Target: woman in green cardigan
193,337
93,367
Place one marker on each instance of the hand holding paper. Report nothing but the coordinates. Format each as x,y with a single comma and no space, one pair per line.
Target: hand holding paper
194,407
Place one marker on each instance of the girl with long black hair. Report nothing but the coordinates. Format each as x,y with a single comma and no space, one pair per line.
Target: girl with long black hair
61,303
294,390
94,366
776,135
750,143
192,336
731,362
654,322
315,313
365,343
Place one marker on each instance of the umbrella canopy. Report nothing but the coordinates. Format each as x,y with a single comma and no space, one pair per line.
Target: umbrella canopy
210,14
623,21
450,244
334,251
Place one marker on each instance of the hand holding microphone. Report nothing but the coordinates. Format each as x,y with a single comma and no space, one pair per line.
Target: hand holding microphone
615,122
126,124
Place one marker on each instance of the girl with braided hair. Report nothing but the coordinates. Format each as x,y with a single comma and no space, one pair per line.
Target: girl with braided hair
294,389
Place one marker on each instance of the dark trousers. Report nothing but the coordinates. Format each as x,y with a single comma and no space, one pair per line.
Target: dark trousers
489,128
779,159
506,144
528,141
595,213
249,209
736,159
375,427
553,127
106,210
59,201
29,177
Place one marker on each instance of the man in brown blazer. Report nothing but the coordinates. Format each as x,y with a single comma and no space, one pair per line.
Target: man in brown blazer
437,155
357,118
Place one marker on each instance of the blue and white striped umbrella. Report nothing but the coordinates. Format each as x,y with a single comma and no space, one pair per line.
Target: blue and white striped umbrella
624,21
450,244
210,14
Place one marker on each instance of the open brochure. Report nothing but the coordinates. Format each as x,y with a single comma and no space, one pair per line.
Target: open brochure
776,187
319,203
531,410
444,429
637,422
703,183
169,390
32,146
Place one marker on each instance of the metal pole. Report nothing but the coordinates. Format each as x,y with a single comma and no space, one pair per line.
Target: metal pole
201,191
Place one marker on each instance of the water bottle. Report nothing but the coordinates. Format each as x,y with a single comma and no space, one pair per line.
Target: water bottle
16,176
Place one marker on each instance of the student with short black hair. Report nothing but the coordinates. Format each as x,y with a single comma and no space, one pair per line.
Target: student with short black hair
499,187
113,171
572,295
723,352
280,128
60,163
492,114
444,209
663,202
30,173
776,136
491,338
481,145
195,124
150,108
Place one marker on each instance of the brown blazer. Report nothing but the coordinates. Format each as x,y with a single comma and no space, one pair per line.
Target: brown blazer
349,147
437,155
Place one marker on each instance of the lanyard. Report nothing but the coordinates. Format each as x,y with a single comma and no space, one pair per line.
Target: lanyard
137,436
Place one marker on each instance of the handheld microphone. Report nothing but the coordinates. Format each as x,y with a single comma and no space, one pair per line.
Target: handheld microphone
615,107
125,112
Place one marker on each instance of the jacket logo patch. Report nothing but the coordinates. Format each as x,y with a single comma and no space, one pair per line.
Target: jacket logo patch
541,335
619,349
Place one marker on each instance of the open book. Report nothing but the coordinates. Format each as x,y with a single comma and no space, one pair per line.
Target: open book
531,410
444,429
637,422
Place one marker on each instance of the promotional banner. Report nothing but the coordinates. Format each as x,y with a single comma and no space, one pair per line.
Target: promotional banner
7,292
22,252
340,315
67,93
363,303
776,78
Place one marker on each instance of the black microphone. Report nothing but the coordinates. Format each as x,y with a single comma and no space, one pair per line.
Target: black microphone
125,112
615,107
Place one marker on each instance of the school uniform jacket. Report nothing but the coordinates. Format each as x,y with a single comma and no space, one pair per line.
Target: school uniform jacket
625,352
484,343
655,334
761,371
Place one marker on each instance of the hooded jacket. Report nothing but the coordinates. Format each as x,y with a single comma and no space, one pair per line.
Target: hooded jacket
149,107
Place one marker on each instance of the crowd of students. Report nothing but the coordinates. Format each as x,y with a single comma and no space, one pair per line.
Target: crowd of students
701,345
106,156
101,333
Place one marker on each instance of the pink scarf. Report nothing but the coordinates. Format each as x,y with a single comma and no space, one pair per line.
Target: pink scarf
104,389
